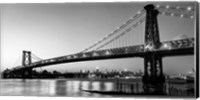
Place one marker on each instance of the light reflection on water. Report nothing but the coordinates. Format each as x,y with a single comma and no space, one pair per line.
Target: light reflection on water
67,87
37,87
85,85
95,85
108,86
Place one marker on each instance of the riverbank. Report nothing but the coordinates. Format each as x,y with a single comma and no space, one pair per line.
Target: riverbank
109,80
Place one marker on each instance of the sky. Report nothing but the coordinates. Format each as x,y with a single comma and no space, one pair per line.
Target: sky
53,30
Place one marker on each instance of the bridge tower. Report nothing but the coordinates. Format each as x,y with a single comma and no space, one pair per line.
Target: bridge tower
26,58
153,78
26,61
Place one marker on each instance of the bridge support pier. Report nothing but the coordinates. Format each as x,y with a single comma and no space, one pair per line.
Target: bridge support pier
153,79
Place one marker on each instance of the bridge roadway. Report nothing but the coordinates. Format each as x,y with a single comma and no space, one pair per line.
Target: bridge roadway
168,48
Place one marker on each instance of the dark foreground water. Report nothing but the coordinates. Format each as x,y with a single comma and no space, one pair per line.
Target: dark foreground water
74,88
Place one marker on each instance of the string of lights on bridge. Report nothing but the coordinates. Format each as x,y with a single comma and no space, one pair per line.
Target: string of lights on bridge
178,8
177,11
126,23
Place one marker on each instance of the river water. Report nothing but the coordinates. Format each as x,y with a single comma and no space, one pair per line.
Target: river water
45,87
73,88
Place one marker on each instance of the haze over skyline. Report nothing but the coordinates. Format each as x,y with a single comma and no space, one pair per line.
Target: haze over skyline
52,30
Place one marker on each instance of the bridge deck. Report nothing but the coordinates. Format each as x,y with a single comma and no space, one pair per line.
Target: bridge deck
168,48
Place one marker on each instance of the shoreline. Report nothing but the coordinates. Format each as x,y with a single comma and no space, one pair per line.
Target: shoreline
80,79
100,79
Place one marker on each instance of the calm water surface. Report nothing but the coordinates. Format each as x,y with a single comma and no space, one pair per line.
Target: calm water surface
73,88
39,87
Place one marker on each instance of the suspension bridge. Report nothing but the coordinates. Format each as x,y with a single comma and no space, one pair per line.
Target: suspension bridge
117,44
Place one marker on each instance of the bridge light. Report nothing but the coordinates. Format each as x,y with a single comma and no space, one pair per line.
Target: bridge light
191,17
124,23
68,57
101,39
165,45
94,54
131,18
107,53
139,12
167,6
181,16
75,56
189,8
84,55
157,6
107,35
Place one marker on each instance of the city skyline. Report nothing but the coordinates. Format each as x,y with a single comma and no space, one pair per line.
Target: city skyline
60,29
